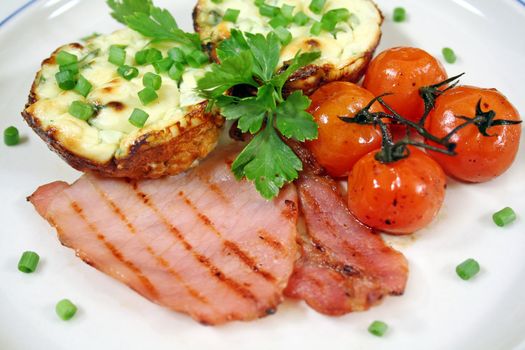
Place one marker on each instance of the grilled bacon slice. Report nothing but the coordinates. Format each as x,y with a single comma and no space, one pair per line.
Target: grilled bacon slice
200,243
344,266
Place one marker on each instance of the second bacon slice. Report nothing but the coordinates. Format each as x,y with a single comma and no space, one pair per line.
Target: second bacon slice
344,266
201,243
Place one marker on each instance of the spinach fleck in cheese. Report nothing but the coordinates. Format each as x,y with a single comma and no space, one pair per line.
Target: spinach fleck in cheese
109,134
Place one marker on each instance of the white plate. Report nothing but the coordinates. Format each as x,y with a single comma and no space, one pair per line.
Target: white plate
438,311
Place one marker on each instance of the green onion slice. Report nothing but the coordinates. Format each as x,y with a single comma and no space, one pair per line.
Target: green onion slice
467,269
177,55
138,118
81,110
449,55
287,12
64,58
83,86
117,55
72,67
176,71
147,95
66,80
28,262
11,136
128,72
284,35
268,11
400,14
316,28
301,19
316,6
504,217
65,309
333,17
378,328
163,65
197,59
152,80
153,55
231,15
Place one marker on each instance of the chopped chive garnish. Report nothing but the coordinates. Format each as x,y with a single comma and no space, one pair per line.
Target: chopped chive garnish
141,57
81,110
378,328
449,55
316,6
72,67
128,72
400,14
66,80
138,118
316,28
11,136
163,65
284,35
217,1
279,21
153,55
287,12
268,11
91,36
65,309
147,95
504,217
197,59
176,71
64,58
177,55
28,262
301,18
117,55
333,17
231,15
467,269
152,80
83,86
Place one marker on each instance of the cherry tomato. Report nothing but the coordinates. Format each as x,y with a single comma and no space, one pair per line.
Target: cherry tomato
341,144
402,71
480,158
400,197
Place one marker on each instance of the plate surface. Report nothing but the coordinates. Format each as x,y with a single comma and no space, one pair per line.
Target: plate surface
438,311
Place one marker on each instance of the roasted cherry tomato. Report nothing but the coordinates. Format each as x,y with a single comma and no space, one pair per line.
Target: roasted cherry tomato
341,144
479,157
402,71
399,197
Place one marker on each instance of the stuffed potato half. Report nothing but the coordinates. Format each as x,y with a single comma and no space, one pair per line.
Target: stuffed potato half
345,51
178,132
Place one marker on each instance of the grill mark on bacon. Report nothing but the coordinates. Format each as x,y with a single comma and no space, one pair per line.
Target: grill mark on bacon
195,294
114,251
271,242
232,246
212,269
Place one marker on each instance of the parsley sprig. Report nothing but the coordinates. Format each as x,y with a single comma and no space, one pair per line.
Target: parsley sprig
253,59
152,22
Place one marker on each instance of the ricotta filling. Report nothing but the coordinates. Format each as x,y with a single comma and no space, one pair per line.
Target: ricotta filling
109,134
353,37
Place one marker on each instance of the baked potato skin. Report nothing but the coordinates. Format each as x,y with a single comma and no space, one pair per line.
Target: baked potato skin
164,152
311,77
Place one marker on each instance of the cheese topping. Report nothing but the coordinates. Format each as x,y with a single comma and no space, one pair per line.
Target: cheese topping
353,37
109,134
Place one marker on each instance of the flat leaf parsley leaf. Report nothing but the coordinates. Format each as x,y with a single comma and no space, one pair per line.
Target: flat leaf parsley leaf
152,22
253,59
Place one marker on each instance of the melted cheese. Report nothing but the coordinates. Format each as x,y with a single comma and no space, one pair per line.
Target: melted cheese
110,134
355,36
